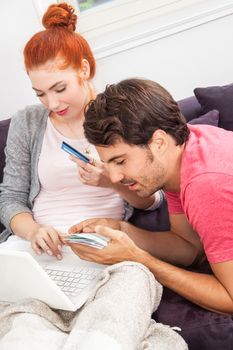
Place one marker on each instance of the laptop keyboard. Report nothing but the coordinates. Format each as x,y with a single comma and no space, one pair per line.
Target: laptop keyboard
72,283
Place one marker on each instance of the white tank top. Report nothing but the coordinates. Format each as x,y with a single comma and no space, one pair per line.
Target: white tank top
64,200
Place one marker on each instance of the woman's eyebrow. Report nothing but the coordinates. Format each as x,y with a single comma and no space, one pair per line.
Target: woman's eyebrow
51,87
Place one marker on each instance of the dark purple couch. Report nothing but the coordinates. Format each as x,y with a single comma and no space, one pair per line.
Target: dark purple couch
202,330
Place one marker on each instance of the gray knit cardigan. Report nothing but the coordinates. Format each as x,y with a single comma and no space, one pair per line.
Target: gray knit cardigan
20,182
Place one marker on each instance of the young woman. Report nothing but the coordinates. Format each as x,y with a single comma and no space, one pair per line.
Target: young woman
42,194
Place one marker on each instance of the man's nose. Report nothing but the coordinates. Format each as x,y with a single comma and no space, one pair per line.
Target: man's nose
115,176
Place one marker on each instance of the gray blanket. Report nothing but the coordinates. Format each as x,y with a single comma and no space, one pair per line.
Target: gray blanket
117,316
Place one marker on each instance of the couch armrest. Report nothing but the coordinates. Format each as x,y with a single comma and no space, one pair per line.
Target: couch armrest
4,126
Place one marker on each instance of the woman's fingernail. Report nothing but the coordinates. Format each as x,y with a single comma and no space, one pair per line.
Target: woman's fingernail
59,257
59,247
49,252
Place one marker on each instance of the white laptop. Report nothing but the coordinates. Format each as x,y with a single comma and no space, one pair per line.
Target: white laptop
63,284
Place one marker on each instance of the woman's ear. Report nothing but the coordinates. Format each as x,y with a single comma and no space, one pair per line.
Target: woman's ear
84,73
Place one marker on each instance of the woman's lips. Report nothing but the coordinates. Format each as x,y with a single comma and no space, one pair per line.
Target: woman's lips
63,111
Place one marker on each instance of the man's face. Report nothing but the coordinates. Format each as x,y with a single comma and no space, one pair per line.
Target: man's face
134,166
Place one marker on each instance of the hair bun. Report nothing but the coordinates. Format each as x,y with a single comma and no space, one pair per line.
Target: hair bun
60,15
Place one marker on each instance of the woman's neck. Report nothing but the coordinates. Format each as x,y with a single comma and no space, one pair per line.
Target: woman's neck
70,128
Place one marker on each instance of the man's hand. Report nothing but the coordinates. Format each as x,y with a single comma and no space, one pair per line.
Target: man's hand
120,248
90,224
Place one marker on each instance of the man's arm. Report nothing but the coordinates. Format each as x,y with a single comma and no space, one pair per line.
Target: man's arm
180,246
211,292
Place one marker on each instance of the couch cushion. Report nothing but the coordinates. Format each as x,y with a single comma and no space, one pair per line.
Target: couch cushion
210,118
201,329
152,220
220,98
190,108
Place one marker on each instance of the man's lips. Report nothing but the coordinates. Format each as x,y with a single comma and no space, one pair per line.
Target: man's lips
130,184
63,111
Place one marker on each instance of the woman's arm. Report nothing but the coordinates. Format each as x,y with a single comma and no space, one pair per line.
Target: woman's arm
42,238
23,225
15,208
14,190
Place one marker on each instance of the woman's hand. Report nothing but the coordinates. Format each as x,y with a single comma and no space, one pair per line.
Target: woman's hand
92,173
47,239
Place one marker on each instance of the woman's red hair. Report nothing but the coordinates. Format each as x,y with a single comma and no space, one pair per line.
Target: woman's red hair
58,40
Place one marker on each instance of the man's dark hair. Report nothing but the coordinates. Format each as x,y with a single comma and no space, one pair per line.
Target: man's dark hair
131,111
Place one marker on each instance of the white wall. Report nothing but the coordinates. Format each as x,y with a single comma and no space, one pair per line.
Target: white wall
181,45
195,54
200,56
18,23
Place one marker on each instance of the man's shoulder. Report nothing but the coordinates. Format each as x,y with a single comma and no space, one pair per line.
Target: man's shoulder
207,152
208,193
209,132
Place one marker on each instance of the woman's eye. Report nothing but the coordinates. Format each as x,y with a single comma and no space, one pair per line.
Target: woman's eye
61,90
39,95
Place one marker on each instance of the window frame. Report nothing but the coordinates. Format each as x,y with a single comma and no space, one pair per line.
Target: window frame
144,22
120,10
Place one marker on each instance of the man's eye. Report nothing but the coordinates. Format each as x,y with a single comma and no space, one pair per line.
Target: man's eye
120,162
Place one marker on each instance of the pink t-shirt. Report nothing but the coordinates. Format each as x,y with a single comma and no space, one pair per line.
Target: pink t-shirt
206,189
63,199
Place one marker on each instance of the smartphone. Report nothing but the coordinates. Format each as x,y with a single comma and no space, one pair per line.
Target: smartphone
74,152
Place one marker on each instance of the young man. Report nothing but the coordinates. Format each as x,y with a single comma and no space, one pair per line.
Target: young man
146,145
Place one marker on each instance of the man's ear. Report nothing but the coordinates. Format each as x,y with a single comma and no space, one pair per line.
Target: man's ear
84,72
159,140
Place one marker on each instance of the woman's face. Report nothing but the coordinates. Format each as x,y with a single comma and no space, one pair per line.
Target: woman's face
63,91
